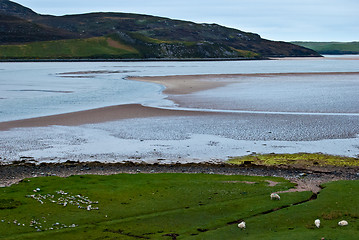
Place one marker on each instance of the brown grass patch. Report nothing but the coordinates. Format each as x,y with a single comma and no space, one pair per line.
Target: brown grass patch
115,44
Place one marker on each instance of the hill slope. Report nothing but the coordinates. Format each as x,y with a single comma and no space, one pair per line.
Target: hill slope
16,30
332,47
90,48
152,37
14,9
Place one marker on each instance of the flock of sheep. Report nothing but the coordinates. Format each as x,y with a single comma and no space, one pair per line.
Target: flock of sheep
64,198
78,199
61,198
275,196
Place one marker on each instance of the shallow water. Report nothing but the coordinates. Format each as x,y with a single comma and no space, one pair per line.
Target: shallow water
314,113
306,93
39,89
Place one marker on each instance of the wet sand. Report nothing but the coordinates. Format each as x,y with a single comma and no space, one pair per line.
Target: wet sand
179,85
185,84
98,115
174,85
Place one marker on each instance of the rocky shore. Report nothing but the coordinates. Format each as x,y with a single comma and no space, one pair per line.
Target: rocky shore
307,179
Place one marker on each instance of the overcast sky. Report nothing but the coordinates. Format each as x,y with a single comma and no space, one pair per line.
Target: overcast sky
287,20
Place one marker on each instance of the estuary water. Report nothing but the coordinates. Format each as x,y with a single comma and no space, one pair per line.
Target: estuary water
40,89
264,114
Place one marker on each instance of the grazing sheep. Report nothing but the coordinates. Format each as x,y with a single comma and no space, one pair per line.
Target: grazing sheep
242,225
274,196
343,223
317,223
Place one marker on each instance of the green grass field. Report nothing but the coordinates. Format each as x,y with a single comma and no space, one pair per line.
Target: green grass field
98,47
174,206
331,47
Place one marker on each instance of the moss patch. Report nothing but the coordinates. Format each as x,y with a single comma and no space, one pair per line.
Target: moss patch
297,160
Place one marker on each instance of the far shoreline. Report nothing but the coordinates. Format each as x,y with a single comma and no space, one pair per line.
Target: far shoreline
161,59
135,60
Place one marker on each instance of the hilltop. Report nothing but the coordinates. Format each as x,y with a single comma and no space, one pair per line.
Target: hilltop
27,34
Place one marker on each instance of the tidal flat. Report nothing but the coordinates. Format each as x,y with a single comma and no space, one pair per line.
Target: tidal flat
169,112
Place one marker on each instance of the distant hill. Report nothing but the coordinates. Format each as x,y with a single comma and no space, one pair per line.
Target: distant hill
331,47
15,9
146,36
15,30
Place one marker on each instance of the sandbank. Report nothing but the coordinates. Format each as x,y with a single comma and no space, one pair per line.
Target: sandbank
175,85
186,84
98,115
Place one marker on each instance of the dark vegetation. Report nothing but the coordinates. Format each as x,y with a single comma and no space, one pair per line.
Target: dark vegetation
152,37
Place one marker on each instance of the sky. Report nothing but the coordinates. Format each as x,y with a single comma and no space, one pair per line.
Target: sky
282,20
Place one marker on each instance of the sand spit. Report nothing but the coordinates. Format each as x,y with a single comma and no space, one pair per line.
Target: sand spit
98,115
186,84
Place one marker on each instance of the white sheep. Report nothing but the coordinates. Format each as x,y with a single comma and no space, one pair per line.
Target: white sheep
242,225
317,223
343,223
274,196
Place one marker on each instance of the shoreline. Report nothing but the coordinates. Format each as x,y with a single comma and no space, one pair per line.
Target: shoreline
307,179
145,60
169,59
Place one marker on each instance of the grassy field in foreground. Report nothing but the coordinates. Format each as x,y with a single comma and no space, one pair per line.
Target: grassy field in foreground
98,47
297,160
174,206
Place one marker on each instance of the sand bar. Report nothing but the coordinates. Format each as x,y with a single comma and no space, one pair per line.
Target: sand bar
186,84
98,115
176,85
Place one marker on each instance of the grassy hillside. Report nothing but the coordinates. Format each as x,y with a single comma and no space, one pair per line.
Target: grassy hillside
120,47
14,30
172,38
173,206
98,47
331,47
